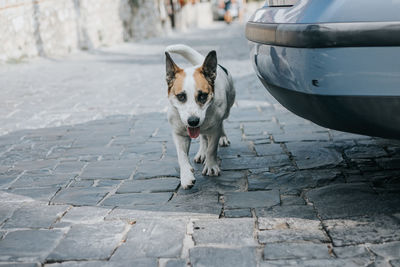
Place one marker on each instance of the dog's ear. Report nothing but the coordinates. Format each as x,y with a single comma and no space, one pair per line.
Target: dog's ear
171,69
209,68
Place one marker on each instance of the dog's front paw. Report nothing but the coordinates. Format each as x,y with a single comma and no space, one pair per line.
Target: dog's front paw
187,179
224,141
200,157
211,169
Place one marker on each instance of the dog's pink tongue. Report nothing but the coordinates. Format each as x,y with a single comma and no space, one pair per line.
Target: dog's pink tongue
193,132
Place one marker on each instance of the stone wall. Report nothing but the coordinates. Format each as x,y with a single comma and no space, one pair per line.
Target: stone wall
55,27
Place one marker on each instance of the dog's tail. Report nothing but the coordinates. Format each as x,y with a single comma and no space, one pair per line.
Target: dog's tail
187,52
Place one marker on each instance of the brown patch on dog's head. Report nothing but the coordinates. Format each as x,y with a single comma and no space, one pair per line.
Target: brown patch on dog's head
204,78
209,68
202,83
175,76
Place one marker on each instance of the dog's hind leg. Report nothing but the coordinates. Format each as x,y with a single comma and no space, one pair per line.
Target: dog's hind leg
201,154
223,140
182,144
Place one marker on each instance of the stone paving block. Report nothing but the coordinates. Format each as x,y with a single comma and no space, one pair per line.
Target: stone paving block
20,264
234,150
37,179
389,250
153,238
237,213
347,200
87,215
143,262
193,202
7,176
300,136
6,211
69,167
176,263
106,183
132,199
192,210
287,251
365,165
92,140
292,182
261,128
28,245
360,230
82,183
164,211
262,141
124,140
79,152
228,181
292,235
79,196
110,169
22,152
152,169
13,199
356,262
283,217
32,165
228,232
302,126
34,215
240,200
246,115
144,148
365,152
346,252
268,149
151,185
291,200
337,136
223,257
40,193
309,155
245,163
189,197
99,241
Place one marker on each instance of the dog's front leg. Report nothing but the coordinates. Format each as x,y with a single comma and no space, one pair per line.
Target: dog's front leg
211,167
182,144
201,154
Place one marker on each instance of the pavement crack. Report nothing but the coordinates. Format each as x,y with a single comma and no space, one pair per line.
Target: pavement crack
128,227
188,241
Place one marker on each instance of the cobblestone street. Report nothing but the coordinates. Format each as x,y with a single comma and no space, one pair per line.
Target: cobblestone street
89,173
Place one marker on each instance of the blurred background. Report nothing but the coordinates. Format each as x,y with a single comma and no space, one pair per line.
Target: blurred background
49,28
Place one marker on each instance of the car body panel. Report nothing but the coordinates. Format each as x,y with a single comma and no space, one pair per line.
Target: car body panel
332,63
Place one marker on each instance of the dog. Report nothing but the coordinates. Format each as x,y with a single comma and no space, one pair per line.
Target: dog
200,98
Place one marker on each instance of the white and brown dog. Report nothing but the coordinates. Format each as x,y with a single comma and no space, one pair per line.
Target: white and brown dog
201,97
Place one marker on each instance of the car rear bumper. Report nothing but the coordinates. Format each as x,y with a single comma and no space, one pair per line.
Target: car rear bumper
338,69
368,115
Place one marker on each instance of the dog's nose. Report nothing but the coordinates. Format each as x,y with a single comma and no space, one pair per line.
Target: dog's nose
193,121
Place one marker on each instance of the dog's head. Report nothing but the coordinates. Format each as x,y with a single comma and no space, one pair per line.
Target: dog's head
191,90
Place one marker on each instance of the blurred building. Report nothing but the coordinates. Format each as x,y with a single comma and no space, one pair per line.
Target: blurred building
55,27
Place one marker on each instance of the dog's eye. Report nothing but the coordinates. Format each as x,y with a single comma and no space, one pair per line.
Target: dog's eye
181,97
202,97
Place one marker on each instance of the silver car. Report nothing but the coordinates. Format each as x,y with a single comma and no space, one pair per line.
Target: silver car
334,62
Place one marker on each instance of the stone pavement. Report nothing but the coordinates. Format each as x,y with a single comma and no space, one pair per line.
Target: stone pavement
89,177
